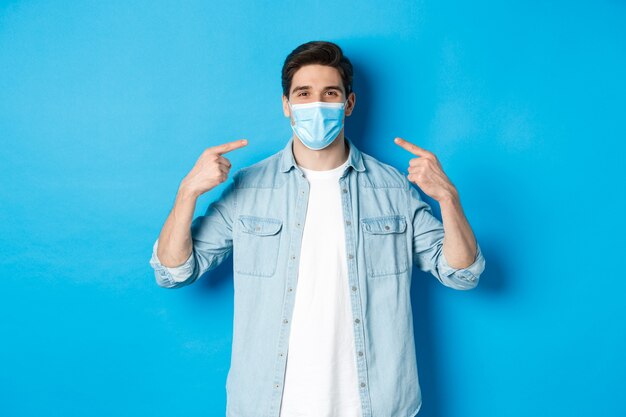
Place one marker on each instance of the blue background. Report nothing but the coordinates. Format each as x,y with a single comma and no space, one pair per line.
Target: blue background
105,106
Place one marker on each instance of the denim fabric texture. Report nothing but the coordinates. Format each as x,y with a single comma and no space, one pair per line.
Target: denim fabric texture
259,218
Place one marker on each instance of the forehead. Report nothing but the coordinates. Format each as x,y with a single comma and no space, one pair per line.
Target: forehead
316,75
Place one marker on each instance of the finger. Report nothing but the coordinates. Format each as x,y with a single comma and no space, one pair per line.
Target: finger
417,161
223,168
416,169
426,162
230,146
223,161
414,149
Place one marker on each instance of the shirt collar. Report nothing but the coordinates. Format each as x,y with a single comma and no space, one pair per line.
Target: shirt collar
355,159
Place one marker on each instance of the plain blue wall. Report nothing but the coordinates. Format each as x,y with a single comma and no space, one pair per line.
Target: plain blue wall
105,106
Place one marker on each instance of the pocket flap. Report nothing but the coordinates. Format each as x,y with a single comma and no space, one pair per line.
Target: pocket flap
262,226
385,224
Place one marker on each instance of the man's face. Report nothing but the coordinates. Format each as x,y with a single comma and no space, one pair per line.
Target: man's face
317,83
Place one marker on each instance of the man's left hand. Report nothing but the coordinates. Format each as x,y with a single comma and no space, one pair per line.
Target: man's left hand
426,172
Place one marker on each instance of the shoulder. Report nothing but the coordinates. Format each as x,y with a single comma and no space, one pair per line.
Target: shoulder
381,175
261,174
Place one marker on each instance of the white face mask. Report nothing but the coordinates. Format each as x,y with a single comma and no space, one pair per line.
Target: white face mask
317,124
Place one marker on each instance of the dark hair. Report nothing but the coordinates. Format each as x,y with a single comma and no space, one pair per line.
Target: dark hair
317,52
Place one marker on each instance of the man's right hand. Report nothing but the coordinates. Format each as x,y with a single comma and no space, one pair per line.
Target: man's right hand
211,168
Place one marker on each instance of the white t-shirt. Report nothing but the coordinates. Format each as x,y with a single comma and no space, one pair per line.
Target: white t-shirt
321,376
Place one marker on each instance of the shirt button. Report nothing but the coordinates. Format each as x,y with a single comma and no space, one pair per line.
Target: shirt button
386,227
287,321
298,224
282,354
345,190
357,321
360,353
293,257
362,384
353,288
350,256
289,289
348,222
275,385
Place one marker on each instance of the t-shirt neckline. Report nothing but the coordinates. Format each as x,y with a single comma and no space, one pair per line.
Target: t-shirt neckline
326,173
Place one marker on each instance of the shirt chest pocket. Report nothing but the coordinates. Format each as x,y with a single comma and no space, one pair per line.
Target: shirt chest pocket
256,249
385,245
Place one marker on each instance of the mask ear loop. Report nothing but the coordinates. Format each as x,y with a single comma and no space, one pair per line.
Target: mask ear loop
291,116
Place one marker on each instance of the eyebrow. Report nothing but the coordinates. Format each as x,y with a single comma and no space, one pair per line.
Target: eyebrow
308,87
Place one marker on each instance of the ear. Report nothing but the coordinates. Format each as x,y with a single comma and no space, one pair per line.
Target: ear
350,104
286,109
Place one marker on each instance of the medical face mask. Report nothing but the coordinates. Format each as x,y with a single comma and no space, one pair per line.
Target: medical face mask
317,124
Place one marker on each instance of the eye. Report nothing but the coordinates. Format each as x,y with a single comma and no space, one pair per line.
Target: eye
333,92
301,93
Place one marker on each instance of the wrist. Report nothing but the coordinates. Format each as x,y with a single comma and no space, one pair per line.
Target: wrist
187,193
451,197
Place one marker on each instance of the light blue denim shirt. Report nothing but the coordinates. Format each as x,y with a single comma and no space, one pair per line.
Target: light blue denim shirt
260,216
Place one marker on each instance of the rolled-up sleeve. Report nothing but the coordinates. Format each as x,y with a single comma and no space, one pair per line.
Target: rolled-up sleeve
428,256
462,278
212,240
171,276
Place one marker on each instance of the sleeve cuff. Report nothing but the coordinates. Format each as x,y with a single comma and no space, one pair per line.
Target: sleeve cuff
469,274
175,274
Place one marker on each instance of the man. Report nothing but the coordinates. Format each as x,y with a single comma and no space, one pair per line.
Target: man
323,239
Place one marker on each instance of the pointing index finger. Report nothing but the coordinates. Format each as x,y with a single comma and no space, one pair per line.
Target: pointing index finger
414,149
230,146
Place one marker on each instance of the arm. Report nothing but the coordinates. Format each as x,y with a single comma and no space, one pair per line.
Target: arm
431,239
459,243
455,260
203,243
185,249
172,258
175,237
